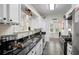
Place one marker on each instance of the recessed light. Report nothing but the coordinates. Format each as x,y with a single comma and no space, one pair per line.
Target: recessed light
51,6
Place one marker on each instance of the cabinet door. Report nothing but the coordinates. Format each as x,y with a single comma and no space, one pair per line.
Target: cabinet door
14,12
3,12
39,48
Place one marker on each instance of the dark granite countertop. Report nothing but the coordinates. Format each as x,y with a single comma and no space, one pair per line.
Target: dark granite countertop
23,51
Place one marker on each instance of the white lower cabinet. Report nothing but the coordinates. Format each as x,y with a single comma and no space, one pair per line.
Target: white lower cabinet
37,50
69,49
32,52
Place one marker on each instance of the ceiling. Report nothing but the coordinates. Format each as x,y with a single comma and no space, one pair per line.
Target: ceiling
43,9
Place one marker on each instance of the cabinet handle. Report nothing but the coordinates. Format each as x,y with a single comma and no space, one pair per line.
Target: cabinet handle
10,19
4,18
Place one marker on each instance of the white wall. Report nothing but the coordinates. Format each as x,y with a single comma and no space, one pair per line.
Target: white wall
37,23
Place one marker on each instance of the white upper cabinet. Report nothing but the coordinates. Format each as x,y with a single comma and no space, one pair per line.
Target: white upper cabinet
10,13
14,13
3,12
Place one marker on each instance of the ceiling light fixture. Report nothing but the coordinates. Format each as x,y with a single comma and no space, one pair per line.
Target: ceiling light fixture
51,6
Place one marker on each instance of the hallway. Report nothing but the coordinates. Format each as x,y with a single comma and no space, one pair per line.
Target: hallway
53,48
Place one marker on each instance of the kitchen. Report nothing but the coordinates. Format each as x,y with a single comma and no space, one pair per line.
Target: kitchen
37,29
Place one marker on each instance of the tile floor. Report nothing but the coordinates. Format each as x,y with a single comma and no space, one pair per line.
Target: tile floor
53,47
